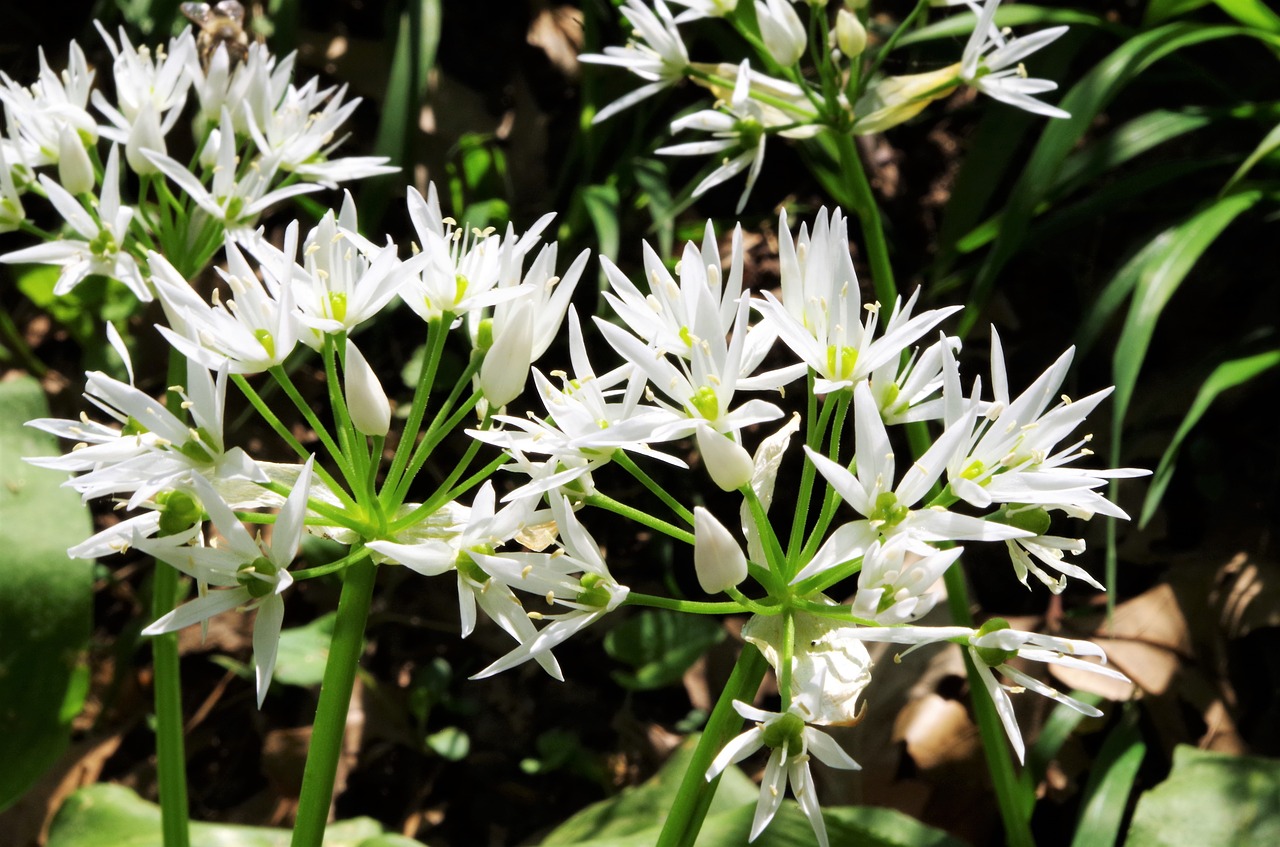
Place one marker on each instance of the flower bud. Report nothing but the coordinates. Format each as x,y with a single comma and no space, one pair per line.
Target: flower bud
366,401
506,364
851,35
727,461
782,31
717,556
75,171
144,135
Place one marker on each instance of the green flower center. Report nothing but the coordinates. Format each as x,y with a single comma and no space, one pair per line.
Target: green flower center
593,591
788,729
247,575
179,511
705,402
268,343
338,305
1034,520
467,566
993,656
888,509
841,361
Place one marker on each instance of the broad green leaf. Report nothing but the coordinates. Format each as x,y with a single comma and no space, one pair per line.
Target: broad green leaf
1225,376
1210,799
1265,148
46,599
660,645
106,815
1110,783
958,26
855,826
638,809
304,651
1081,168
1085,100
1251,13
1062,721
1163,10
1163,265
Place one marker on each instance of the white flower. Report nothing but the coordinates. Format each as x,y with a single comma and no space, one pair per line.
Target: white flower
250,333
717,556
822,317
740,127
905,391
886,505
574,577
254,87
792,744
12,214
253,572
992,647
696,9
99,249
75,171
482,531
1028,554
767,460
658,55
235,201
829,670
37,115
999,73
298,134
782,31
896,575
366,401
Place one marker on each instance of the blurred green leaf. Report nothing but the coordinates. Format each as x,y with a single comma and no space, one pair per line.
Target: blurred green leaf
636,810
1266,147
1210,799
1085,100
304,651
449,743
1251,13
1062,721
958,26
46,599
1225,376
1155,275
108,815
660,645
1111,777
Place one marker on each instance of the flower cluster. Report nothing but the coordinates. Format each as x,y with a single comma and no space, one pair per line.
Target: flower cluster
259,140
843,91
693,363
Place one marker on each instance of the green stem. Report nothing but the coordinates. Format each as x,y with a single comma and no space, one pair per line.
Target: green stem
892,42
335,698
604,501
282,377
171,759
437,330
624,461
814,438
869,218
435,433
693,607
685,817
17,345
1015,812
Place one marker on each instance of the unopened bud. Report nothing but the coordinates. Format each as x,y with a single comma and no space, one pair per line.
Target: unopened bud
783,33
75,171
144,135
717,556
366,401
851,35
727,461
506,364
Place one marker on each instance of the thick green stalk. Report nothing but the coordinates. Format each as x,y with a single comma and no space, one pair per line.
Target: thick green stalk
685,817
171,759
868,213
335,697
1015,812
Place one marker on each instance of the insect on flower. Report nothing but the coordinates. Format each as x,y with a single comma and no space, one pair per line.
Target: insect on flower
220,25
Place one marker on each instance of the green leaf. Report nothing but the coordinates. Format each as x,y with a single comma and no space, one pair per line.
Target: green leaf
1155,275
660,645
304,651
1265,147
1110,783
641,809
107,815
450,743
1251,13
1225,376
1085,100
46,598
1210,798
959,26
1163,10
1062,721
